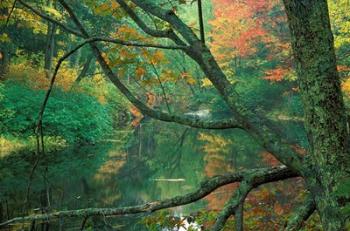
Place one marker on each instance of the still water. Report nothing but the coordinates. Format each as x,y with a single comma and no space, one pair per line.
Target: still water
155,161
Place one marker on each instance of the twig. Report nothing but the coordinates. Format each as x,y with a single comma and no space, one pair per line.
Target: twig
161,86
200,18
11,11
84,223
185,120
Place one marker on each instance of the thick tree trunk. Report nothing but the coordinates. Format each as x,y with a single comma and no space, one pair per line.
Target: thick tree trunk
324,111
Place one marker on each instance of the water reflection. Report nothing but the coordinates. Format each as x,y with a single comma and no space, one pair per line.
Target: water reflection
156,161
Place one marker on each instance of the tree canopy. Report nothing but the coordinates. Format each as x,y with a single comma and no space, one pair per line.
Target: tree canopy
275,71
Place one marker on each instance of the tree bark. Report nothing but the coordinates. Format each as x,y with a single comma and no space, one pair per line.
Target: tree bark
84,70
50,45
324,111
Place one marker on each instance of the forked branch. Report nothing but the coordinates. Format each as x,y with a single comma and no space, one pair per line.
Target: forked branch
202,55
233,204
170,34
185,120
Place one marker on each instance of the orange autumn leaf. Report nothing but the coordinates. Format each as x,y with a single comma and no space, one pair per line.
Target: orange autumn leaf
218,198
188,78
269,159
151,99
298,149
135,112
140,71
346,86
276,74
341,68
279,210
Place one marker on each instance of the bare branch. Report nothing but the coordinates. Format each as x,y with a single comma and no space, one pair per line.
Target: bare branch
170,17
165,98
301,215
263,175
202,55
150,31
200,18
10,13
52,81
84,223
185,120
181,119
133,43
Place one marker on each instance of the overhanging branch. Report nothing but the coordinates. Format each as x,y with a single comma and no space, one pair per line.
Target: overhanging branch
181,119
201,54
133,43
200,19
185,120
170,17
239,196
150,31
264,175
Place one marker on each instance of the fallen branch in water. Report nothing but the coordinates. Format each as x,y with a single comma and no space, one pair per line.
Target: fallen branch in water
170,180
262,175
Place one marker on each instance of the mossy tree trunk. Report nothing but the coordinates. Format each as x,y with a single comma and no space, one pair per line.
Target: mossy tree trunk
324,111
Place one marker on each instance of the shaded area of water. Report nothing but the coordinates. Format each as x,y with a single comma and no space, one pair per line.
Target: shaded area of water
156,161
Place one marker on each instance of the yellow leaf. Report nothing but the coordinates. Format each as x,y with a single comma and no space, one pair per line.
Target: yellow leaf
102,8
115,5
4,38
157,57
206,83
53,12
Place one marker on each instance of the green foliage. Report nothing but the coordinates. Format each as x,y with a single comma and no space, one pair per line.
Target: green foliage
74,116
10,144
343,192
163,220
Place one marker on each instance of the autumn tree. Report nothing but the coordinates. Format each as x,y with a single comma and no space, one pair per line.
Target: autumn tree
325,166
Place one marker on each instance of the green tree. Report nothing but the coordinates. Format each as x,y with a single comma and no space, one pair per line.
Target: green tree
324,168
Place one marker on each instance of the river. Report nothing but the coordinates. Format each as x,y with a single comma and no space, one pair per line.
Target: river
155,161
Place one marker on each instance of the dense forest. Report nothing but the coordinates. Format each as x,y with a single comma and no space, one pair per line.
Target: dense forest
174,115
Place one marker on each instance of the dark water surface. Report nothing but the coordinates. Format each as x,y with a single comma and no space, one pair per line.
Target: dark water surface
132,167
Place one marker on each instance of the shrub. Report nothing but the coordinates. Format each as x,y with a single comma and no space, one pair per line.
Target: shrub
76,117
